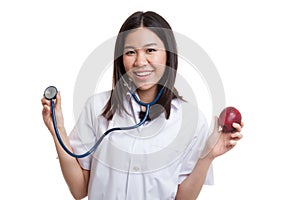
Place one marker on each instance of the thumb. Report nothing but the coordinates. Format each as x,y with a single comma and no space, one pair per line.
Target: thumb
216,126
212,140
58,100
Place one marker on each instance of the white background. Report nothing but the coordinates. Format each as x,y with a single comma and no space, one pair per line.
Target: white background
254,44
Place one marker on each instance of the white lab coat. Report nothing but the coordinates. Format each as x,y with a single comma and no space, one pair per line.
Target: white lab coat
145,163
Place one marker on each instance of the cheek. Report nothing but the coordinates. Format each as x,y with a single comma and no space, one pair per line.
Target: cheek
159,60
127,62
161,71
160,63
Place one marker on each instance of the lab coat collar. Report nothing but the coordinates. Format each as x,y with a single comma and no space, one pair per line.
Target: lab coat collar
175,102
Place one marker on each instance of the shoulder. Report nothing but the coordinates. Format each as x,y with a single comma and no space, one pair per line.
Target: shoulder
188,108
192,116
97,102
102,96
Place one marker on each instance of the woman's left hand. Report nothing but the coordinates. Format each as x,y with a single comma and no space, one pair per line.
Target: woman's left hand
219,142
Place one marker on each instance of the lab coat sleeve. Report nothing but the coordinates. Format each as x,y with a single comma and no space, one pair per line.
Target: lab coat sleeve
83,136
193,152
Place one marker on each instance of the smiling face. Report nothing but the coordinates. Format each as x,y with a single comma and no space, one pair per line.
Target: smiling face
144,58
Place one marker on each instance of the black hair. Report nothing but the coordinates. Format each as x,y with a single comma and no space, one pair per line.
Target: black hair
162,29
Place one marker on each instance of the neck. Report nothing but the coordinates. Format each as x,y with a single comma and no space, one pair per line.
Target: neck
147,96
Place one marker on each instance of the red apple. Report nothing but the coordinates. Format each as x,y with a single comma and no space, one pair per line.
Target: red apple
228,116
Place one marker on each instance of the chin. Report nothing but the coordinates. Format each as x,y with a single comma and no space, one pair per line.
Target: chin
145,87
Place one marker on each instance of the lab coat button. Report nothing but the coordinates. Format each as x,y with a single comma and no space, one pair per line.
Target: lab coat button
135,168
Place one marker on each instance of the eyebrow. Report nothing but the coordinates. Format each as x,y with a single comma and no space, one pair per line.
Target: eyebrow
146,45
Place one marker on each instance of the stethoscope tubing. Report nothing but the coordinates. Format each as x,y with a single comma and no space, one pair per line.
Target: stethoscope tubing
95,146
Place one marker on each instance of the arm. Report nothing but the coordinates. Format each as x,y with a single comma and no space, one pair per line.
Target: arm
192,185
76,178
190,188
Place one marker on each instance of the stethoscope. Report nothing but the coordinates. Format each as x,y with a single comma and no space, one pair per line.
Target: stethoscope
50,94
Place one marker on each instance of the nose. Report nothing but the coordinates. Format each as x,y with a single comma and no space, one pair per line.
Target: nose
141,60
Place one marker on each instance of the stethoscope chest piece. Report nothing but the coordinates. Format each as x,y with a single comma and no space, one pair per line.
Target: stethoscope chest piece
50,92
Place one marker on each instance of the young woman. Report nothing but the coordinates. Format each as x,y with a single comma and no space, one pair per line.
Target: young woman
162,159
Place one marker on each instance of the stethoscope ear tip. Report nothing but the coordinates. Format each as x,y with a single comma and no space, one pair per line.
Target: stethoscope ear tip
50,92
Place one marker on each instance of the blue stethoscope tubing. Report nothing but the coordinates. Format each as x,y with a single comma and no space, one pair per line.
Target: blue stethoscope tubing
93,148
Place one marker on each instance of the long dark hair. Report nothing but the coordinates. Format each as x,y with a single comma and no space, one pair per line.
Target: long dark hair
162,29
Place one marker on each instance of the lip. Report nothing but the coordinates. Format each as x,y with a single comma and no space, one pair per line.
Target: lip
143,73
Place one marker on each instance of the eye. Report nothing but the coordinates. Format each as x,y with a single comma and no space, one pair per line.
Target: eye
129,52
151,50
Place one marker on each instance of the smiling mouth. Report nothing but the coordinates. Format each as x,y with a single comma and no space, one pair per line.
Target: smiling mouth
143,73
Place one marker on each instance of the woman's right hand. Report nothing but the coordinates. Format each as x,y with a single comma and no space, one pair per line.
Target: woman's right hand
47,113
76,177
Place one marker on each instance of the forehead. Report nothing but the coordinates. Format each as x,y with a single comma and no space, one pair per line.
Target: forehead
142,36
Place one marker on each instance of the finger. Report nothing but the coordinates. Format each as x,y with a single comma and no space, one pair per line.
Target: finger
237,126
232,143
242,124
236,135
46,110
45,101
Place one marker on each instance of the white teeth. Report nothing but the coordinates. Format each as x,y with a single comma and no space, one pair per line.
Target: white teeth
142,73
